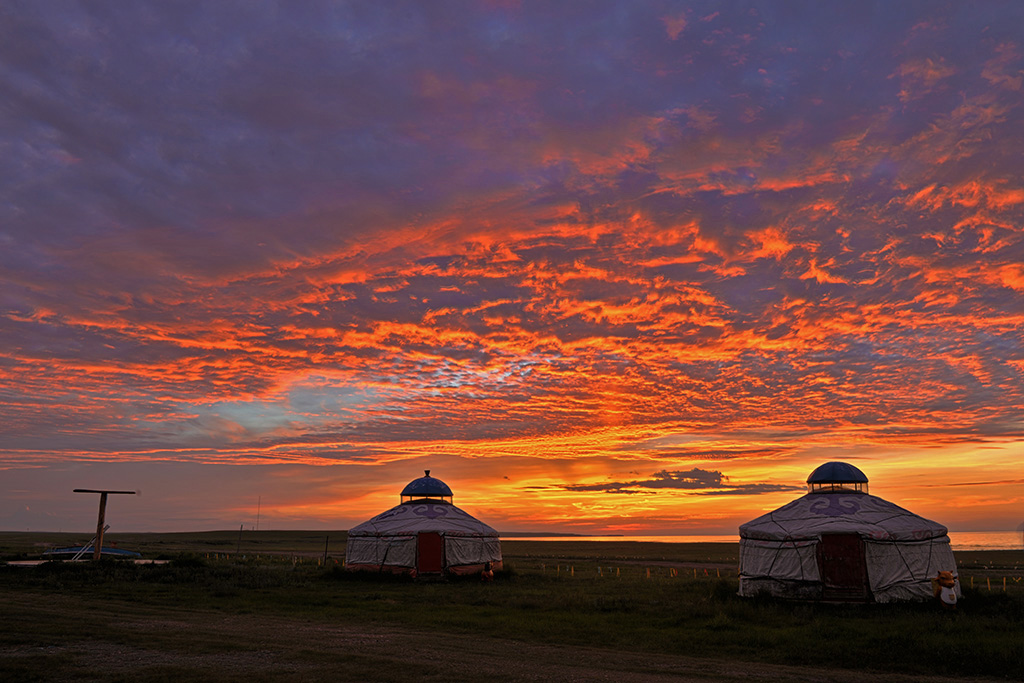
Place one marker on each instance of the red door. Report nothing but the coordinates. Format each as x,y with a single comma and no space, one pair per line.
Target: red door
429,553
843,569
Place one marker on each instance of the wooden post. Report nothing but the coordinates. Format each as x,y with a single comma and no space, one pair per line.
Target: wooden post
97,547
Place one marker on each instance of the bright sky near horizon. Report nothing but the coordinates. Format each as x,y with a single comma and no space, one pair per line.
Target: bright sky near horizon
603,267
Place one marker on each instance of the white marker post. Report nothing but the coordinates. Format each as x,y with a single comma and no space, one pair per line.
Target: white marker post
97,547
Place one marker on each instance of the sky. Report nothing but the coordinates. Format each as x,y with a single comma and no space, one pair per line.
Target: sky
602,267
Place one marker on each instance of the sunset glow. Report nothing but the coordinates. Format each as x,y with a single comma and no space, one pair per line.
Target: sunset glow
615,267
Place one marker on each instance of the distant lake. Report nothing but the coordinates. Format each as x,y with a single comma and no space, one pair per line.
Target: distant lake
728,538
985,540
960,540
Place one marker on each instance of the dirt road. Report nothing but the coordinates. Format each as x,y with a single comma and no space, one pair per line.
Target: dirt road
40,641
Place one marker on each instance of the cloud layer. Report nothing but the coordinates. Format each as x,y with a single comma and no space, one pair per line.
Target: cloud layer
665,233
706,482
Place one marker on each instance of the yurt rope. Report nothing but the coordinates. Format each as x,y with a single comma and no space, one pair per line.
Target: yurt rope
896,544
786,539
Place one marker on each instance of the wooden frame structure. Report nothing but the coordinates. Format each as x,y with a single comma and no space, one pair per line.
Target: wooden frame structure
97,546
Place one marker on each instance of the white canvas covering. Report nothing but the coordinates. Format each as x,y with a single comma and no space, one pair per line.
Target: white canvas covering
902,551
391,551
463,550
389,539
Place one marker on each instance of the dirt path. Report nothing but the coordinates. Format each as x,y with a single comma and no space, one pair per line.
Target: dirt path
186,645
464,658
278,650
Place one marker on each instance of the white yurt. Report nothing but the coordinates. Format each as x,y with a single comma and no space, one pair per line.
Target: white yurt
838,542
424,534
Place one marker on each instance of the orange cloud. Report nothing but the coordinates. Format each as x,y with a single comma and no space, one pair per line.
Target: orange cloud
674,25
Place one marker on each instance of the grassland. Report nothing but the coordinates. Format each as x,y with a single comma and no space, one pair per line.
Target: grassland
268,608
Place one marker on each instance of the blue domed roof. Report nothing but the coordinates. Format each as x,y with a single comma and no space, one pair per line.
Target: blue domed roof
426,486
837,473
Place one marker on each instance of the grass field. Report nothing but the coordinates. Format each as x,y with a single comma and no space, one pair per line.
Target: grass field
221,609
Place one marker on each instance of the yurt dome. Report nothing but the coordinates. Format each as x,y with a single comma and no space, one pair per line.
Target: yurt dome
838,542
426,488
425,534
836,476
